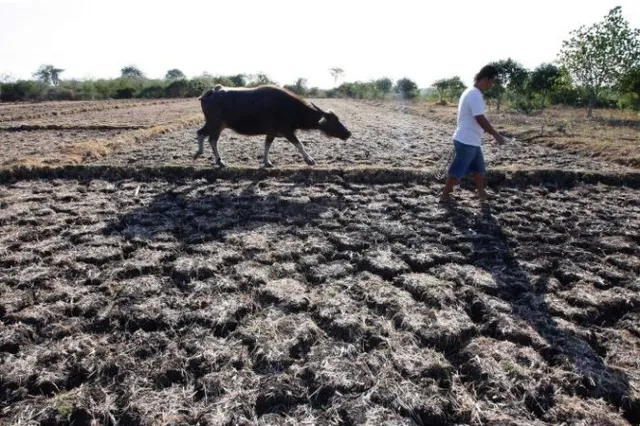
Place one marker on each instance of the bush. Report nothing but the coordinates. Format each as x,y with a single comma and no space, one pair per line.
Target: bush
525,105
154,91
10,92
358,90
177,89
225,81
384,85
88,90
197,86
23,90
104,88
124,93
61,94
238,80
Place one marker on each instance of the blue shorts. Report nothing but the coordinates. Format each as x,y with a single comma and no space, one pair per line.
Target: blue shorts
468,159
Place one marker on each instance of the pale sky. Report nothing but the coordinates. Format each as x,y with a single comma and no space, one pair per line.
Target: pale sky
287,39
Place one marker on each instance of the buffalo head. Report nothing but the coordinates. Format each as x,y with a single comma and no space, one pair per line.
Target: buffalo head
330,125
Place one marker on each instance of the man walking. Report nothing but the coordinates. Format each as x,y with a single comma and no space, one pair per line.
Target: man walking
467,138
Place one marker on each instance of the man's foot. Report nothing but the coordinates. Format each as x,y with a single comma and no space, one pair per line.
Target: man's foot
447,198
484,197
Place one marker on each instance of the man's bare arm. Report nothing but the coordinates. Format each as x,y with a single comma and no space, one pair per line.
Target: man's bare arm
484,123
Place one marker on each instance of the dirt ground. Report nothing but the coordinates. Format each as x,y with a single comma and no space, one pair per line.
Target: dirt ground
27,111
47,144
139,115
381,137
134,294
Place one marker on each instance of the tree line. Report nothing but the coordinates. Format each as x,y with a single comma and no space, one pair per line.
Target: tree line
598,66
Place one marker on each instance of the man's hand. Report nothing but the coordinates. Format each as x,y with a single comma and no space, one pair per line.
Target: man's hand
499,139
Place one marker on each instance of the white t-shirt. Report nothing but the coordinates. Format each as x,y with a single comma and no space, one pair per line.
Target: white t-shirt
471,105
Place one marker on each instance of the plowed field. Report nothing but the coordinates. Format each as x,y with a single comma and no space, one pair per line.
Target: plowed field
141,287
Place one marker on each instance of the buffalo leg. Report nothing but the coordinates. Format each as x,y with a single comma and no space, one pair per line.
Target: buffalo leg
202,134
214,135
267,146
296,142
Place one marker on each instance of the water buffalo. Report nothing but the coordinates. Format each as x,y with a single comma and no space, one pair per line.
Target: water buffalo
264,110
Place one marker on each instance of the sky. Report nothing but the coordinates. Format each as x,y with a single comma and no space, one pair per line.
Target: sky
422,40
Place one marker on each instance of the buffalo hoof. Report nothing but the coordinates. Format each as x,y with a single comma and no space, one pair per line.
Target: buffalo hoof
197,155
221,164
268,165
310,161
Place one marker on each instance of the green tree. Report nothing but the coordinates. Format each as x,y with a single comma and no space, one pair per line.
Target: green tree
299,87
599,55
178,89
629,86
453,87
384,85
131,71
441,86
48,74
197,86
175,74
259,79
225,81
456,87
238,80
511,77
543,80
336,73
407,88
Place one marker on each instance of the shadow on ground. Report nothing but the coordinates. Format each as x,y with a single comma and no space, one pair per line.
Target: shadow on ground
527,294
195,215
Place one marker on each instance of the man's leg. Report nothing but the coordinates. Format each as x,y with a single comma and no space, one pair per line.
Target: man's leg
448,186
458,168
479,171
479,178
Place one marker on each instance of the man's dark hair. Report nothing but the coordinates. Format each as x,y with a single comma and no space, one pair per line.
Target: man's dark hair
488,71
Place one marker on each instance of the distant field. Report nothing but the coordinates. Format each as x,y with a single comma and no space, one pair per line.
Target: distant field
611,135
139,286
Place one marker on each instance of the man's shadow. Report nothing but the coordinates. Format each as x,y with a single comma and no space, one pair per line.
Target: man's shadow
526,294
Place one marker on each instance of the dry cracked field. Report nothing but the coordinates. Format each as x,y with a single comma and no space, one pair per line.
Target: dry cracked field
140,287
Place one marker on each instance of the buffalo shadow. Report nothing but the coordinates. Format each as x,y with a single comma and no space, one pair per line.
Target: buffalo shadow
196,214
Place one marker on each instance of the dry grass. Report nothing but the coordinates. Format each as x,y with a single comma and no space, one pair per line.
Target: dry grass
179,295
277,301
612,135
32,111
91,149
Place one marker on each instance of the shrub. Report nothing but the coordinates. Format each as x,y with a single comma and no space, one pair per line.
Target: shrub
124,93
197,86
177,89
154,91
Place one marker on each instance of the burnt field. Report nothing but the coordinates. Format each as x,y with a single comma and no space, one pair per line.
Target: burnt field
140,287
